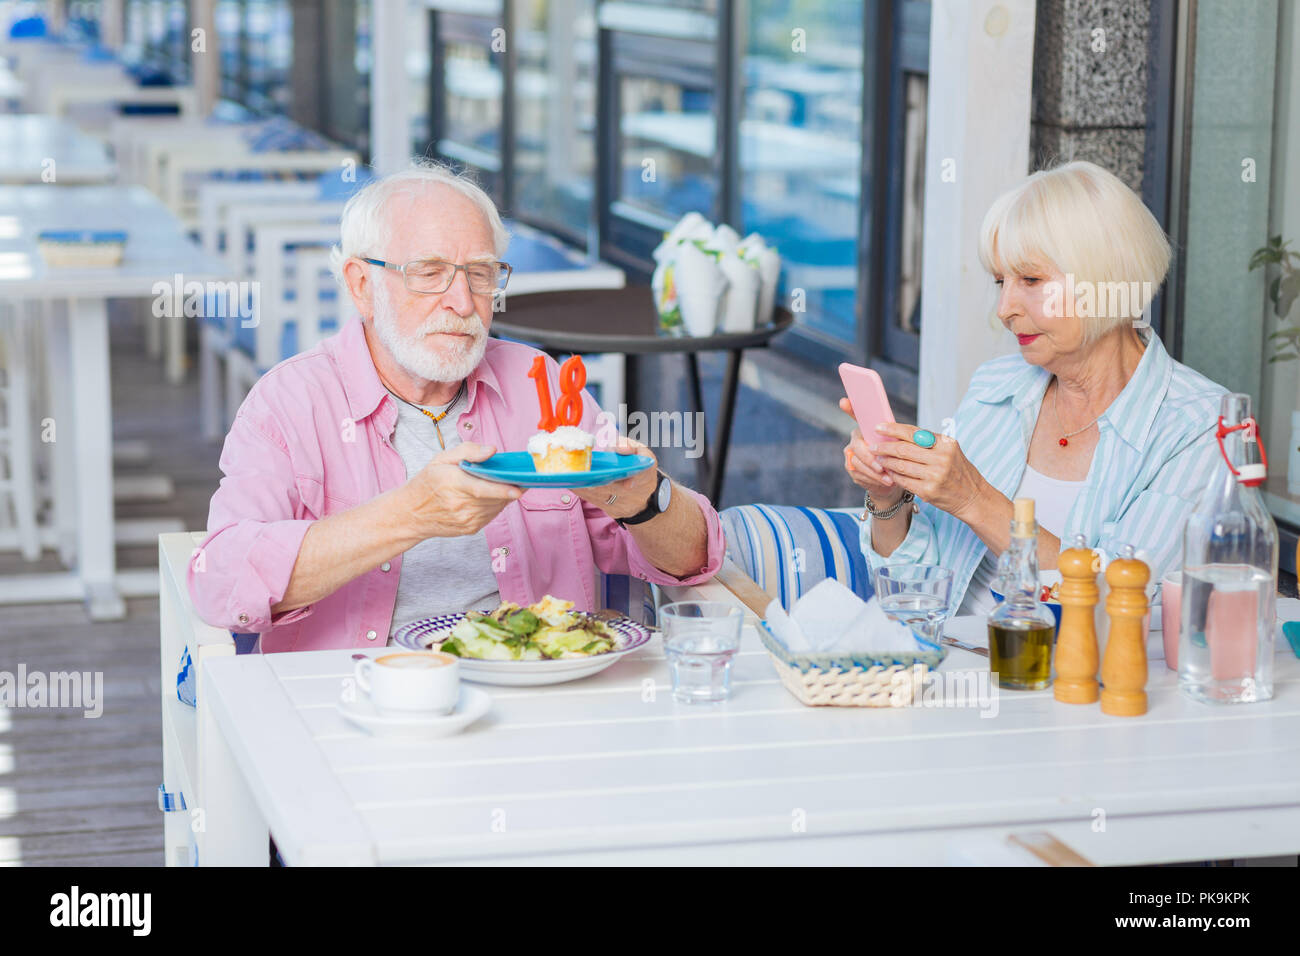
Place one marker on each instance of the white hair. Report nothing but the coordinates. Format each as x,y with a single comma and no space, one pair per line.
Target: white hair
1085,221
362,226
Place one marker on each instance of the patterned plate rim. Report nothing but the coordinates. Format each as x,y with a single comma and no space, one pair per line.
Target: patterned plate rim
631,636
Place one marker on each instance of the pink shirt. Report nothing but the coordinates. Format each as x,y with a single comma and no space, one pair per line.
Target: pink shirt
313,438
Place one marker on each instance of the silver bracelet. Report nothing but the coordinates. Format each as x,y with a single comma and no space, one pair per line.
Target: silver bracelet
907,499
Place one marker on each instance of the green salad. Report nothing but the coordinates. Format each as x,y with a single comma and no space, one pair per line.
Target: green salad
547,630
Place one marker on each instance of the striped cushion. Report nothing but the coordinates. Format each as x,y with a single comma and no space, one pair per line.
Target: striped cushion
789,549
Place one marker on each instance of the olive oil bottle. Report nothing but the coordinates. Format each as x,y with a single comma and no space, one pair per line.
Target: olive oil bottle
1021,631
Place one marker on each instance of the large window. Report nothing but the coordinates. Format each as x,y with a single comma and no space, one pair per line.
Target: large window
555,114
256,43
471,52
344,74
663,154
157,37
268,51
801,152
609,119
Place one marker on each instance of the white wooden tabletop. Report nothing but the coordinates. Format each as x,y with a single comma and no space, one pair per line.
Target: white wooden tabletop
613,768
156,248
30,143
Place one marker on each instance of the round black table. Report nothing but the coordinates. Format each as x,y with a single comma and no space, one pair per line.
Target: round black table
624,320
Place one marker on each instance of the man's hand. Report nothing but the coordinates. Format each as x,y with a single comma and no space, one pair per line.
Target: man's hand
631,494
447,502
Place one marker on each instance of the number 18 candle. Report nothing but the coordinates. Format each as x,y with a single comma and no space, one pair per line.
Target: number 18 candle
573,377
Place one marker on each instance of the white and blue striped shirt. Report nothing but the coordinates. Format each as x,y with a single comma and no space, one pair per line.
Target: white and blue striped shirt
1154,457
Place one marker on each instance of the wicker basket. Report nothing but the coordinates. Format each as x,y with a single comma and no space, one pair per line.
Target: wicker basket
833,680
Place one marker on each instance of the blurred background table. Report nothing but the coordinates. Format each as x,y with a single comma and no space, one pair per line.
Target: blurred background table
49,150
625,321
67,310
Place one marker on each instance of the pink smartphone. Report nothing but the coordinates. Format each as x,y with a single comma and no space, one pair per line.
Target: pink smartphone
866,392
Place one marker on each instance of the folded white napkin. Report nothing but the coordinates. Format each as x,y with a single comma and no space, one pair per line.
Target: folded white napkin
831,619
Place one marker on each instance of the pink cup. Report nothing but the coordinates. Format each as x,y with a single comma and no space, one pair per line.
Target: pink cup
1171,612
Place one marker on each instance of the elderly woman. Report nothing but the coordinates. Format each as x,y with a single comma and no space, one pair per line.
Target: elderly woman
1092,419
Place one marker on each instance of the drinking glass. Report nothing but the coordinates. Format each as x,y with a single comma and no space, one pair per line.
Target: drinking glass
917,595
700,639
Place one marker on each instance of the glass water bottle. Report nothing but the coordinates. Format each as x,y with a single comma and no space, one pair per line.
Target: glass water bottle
1229,609
1021,629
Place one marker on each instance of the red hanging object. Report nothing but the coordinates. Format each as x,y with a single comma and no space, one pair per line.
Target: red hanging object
1252,435
1063,442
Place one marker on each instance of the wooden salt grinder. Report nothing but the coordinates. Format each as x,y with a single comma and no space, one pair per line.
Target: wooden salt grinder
1124,671
1076,644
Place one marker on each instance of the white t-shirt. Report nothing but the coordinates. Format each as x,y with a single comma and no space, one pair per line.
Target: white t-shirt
439,575
1053,499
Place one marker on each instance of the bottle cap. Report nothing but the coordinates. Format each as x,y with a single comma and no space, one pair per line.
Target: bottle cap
1022,522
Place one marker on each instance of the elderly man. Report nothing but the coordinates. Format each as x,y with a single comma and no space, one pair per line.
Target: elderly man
344,514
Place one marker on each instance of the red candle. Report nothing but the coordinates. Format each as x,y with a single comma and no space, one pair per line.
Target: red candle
573,376
538,374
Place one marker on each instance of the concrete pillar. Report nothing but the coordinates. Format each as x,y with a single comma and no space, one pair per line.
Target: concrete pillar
112,23
1090,85
389,136
206,62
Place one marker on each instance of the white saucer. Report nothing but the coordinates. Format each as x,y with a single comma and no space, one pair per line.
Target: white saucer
472,705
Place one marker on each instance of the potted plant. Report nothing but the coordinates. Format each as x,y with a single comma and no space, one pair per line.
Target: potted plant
1282,291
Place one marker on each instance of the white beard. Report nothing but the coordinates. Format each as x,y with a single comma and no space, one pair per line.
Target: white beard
415,355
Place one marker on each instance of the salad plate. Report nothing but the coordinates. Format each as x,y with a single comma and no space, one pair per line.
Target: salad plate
430,633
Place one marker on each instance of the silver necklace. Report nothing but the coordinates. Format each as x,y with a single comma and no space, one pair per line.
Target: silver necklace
1065,438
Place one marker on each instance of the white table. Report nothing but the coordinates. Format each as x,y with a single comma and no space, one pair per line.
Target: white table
73,305
612,770
34,148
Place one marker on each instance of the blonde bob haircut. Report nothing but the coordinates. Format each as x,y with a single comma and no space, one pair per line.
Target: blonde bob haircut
1084,221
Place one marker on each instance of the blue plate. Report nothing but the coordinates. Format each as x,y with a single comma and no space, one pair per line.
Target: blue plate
516,468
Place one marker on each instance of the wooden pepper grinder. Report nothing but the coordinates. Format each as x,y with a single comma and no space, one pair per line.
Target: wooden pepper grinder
1076,644
1124,670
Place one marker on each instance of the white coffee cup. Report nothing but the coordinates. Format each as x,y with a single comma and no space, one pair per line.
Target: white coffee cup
411,682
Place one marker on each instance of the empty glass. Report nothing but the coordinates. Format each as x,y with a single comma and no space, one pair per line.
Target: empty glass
700,639
917,595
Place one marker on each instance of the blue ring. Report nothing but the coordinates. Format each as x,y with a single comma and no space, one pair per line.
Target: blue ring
924,437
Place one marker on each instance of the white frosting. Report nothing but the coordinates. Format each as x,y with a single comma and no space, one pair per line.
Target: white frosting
567,437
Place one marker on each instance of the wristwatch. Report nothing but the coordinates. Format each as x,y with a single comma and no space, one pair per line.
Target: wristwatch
657,504
907,498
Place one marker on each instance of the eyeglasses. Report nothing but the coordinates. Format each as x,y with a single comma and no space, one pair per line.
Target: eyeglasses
435,276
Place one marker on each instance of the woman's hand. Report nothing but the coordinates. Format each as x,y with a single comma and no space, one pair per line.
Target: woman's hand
865,469
942,476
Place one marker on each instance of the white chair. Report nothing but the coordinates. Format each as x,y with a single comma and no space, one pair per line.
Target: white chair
318,303
182,167
278,332
18,491
216,198
186,777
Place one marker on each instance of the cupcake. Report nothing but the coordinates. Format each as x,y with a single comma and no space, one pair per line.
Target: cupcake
565,449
